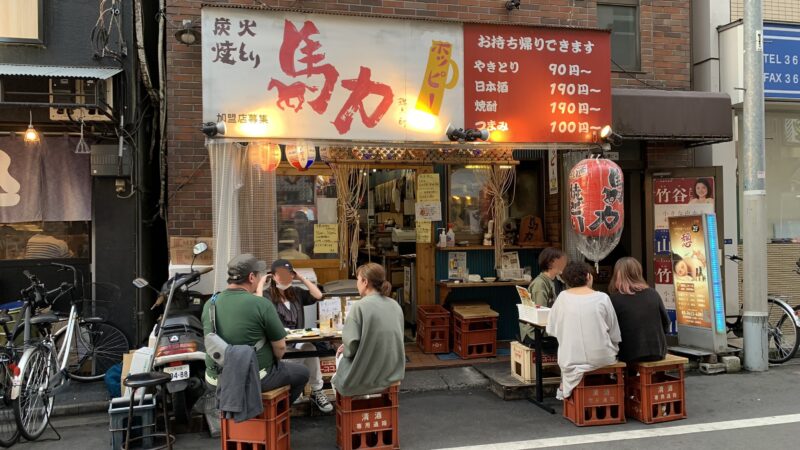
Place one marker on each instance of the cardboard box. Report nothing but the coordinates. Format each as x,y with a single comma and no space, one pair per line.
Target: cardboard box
180,250
523,364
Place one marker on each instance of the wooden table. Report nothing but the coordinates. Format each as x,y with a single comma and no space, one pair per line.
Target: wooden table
538,334
445,287
292,339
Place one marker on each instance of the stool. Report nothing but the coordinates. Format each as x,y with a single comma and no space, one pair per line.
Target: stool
148,380
267,431
655,391
599,399
368,421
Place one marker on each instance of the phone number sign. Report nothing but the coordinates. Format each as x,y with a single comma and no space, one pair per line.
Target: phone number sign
527,84
781,61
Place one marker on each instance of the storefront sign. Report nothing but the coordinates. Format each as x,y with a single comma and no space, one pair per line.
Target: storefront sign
675,197
326,238
428,187
782,61
527,84
292,75
697,280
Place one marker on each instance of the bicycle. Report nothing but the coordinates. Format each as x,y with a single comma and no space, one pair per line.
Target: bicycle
9,433
46,362
783,326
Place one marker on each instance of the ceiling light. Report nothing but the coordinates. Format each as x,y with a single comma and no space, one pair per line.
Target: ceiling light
31,136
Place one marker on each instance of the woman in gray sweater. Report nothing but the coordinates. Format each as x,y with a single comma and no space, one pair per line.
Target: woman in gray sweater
372,351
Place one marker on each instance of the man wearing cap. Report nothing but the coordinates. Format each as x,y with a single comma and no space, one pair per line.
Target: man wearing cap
289,301
243,318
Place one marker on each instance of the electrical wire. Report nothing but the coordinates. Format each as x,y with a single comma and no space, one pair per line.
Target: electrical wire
633,75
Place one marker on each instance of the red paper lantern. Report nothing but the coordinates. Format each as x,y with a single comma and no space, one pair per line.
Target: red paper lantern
265,155
596,209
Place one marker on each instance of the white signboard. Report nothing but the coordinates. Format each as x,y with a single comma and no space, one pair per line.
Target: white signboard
293,75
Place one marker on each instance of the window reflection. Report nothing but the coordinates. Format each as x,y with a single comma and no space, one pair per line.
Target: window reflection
303,201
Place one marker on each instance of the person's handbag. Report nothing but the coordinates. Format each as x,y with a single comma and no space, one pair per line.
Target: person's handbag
214,343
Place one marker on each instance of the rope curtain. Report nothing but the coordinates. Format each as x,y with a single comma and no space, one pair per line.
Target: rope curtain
351,187
498,181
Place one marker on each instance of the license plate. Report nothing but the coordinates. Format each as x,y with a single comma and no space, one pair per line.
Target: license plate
178,372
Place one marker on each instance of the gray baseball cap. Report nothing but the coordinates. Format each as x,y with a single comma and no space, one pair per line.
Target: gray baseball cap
243,265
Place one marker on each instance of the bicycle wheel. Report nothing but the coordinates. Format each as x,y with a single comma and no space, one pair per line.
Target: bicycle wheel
94,349
34,395
782,332
8,425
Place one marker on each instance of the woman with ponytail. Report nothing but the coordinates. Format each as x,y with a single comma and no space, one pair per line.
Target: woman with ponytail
372,355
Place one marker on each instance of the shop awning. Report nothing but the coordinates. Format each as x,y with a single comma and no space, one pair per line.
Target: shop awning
694,117
97,73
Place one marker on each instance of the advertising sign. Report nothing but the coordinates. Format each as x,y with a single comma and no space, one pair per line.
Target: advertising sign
293,75
697,280
526,84
675,197
781,61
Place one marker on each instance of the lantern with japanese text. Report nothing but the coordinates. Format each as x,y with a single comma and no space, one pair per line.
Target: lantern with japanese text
265,155
596,206
301,155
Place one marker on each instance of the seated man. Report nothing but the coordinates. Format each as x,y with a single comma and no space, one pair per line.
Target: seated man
243,318
44,246
288,241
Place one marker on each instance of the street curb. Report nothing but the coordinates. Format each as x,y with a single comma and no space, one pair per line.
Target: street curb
80,408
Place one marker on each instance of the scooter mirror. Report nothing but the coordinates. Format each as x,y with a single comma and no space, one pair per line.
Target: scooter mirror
141,283
199,248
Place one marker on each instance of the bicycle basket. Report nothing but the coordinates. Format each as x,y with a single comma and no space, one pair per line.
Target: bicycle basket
98,299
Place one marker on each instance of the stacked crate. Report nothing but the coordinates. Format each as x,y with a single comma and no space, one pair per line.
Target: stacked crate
368,421
599,399
655,391
474,331
267,431
433,325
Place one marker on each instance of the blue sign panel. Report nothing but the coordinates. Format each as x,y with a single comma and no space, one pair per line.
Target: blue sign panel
781,61
661,242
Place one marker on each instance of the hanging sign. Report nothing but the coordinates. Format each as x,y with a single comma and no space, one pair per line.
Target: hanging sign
552,170
529,84
596,206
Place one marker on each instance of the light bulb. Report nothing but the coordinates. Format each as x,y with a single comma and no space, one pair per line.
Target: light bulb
31,136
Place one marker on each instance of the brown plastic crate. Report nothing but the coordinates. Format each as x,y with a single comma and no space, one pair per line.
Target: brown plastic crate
476,344
432,316
269,430
656,394
434,339
599,399
368,422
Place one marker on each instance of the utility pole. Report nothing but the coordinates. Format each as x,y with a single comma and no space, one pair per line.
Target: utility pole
755,193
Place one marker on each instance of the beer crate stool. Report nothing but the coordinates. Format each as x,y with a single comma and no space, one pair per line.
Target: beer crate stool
268,431
475,332
368,421
655,390
433,327
599,399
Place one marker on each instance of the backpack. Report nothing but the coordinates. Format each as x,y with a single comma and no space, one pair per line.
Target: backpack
215,344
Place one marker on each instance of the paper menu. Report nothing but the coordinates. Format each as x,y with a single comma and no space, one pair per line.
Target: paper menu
525,296
333,312
428,187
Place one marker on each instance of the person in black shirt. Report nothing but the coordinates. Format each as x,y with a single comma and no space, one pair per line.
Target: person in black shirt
643,320
289,301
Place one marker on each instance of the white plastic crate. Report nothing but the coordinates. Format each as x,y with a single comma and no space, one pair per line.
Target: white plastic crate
533,314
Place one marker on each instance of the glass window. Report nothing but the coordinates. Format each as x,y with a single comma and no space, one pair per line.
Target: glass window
40,240
303,201
22,21
782,158
468,204
623,21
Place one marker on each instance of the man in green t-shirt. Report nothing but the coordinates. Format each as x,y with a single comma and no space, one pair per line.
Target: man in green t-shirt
243,318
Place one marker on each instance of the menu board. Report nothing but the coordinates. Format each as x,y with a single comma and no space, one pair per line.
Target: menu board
529,84
326,238
428,187
690,271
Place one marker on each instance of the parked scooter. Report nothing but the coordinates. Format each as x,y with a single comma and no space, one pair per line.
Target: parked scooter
179,349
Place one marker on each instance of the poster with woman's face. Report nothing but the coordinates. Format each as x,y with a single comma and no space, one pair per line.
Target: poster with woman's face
690,271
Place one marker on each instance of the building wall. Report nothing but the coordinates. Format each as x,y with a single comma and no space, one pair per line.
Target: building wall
665,56
775,10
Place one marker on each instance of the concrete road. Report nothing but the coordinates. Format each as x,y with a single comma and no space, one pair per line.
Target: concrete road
725,412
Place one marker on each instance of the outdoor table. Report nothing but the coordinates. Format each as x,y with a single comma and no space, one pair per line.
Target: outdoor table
292,339
538,333
445,287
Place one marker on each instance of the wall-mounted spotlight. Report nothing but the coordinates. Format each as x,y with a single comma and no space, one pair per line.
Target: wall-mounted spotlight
188,33
468,135
608,135
212,129
31,136
512,4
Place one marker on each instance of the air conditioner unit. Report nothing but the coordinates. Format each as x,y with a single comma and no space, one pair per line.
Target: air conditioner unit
82,91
